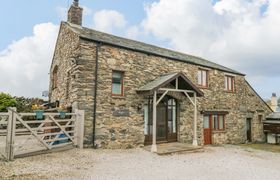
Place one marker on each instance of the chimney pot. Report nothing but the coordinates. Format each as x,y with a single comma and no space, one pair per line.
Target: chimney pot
76,2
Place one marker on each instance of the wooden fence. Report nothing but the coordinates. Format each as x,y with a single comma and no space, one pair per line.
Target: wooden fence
24,134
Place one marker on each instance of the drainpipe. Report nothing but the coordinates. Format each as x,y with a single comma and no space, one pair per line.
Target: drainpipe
95,93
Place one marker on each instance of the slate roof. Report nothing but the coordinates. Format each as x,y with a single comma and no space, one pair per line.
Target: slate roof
273,116
164,79
93,35
157,82
272,122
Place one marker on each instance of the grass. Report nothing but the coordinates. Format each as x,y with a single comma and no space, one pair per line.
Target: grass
264,147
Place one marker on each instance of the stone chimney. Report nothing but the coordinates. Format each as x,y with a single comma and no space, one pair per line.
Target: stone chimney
75,13
274,102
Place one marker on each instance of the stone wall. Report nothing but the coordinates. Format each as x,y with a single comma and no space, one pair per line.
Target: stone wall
65,57
120,122
75,75
139,69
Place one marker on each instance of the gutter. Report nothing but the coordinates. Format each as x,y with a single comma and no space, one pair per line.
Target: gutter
95,93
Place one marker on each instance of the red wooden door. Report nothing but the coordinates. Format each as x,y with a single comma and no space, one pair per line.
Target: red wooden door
207,130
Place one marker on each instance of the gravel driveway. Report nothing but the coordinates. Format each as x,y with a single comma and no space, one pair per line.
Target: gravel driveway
228,162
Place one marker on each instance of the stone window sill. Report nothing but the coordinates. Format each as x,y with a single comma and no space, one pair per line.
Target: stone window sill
118,97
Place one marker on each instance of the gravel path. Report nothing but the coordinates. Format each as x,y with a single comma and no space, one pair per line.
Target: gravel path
229,162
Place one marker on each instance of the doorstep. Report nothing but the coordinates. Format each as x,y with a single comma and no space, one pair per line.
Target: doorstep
175,147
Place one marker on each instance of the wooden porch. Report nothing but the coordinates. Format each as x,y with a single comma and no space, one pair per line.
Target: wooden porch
158,89
176,147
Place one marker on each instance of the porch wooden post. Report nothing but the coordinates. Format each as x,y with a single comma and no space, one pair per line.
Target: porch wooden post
154,145
195,122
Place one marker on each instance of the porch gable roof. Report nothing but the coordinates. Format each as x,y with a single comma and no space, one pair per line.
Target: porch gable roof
163,80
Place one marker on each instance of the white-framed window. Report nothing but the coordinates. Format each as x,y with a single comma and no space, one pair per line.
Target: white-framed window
229,83
202,77
117,83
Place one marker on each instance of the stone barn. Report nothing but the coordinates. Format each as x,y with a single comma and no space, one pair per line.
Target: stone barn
136,94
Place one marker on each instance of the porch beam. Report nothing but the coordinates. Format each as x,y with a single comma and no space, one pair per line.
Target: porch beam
162,96
189,98
154,145
195,122
176,90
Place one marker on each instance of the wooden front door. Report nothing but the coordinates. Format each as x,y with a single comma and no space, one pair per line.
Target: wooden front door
161,122
249,129
207,131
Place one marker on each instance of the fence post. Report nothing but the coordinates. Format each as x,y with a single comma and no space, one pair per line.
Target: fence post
10,134
79,125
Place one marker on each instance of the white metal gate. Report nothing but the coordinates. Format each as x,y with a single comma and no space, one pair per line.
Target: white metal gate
23,134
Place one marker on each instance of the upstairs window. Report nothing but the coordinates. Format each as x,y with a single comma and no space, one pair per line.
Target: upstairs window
54,77
117,83
202,78
229,83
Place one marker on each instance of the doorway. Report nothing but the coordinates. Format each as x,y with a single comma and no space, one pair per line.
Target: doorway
249,129
207,130
166,121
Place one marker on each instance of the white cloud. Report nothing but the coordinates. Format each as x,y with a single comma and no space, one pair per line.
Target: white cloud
62,13
235,33
133,32
25,63
87,11
109,21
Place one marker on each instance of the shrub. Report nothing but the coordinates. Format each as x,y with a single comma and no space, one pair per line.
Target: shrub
6,100
25,104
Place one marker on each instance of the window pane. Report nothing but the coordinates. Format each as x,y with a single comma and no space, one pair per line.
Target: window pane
169,113
174,119
170,102
117,83
117,74
204,78
229,83
215,122
146,115
221,122
117,77
206,122
117,88
199,77
226,82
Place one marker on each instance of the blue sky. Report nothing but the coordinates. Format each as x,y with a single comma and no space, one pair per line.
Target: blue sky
240,34
26,14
